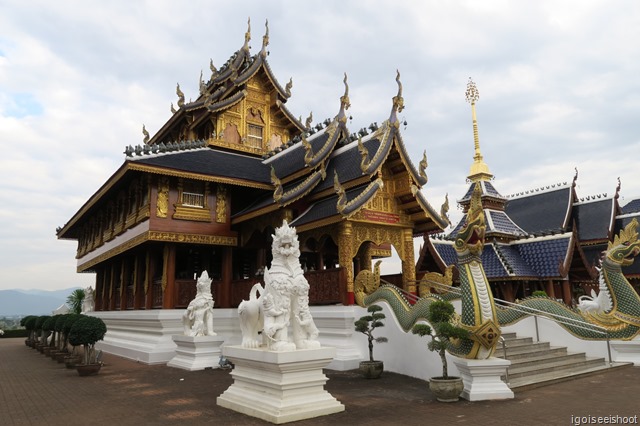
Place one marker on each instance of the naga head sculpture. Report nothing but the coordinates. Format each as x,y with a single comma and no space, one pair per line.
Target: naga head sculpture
625,246
470,238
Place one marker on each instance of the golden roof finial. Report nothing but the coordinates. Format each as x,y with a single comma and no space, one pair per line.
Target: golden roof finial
479,169
423,165
287,88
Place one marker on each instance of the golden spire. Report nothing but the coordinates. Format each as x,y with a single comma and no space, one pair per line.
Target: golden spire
479,169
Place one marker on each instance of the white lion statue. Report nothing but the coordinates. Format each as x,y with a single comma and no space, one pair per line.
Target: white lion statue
198,319
283,302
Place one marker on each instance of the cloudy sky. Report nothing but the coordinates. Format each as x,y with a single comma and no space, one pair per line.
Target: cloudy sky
558,83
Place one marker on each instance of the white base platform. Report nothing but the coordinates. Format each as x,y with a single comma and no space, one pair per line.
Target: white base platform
279,387
143,336
482,378
196,352
627,351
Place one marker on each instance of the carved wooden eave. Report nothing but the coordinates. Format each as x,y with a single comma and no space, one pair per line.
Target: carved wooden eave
302,189
404,156
66,231
334,130
428,212
285,111
228,102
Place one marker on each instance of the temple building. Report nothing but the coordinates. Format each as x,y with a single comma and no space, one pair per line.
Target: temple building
545,239
207,190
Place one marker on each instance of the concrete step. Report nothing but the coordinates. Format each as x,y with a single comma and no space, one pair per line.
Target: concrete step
538,363
531,382
560,365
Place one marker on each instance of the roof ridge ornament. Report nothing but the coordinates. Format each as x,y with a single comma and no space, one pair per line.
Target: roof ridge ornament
265,37
398,102
287,88
146,134
308,155
214,70
278,191
479,169
342,195
180,96
247,35
202,85
423,166
308,121
365,162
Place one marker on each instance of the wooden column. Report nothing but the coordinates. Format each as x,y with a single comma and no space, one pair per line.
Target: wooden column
169,276
148,280
345,256
224,295
408,262
548,288
566,292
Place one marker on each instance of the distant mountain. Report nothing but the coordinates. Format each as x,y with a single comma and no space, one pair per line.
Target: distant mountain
32,302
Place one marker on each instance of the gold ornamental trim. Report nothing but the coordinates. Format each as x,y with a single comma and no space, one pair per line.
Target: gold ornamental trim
178,237
192,213
113,252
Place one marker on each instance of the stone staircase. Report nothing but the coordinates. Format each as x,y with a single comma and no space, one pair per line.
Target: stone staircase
535,364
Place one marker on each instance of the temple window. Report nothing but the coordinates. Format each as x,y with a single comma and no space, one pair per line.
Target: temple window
193,194
254,135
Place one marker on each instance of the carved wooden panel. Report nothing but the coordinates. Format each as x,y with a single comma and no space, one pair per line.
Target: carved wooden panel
325,287
156,289
185,292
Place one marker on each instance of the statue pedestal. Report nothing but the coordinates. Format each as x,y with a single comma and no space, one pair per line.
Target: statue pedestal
627,351
482,378
196,352
279,387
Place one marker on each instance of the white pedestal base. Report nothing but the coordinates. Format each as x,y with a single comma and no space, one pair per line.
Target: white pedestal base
482,378
627,351
196,352
279,387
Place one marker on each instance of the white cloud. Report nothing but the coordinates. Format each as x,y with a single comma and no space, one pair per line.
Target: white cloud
558,84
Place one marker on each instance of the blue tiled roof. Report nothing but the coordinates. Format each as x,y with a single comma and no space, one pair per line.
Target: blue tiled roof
446,252
545,256
538,212
513,260
491,190
593,219
632,206
493,267
502,223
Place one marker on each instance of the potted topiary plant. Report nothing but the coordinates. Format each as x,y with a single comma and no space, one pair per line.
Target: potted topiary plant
371,369
49,327
28,323
72,358
61,343
442,332
42,335
87,331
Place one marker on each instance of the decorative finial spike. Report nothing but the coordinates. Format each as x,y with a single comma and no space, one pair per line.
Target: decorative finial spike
180,96
472,95
247,35
345,102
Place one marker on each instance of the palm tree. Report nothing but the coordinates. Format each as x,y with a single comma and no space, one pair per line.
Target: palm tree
75,299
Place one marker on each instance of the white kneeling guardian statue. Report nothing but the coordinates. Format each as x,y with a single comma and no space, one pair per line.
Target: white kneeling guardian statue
198,319
283,302
89,301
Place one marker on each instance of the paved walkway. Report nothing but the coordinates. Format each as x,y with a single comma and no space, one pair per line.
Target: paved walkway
35,390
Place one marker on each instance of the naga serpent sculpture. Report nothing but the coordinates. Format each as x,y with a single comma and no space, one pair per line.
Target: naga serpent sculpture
479,314
616,308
